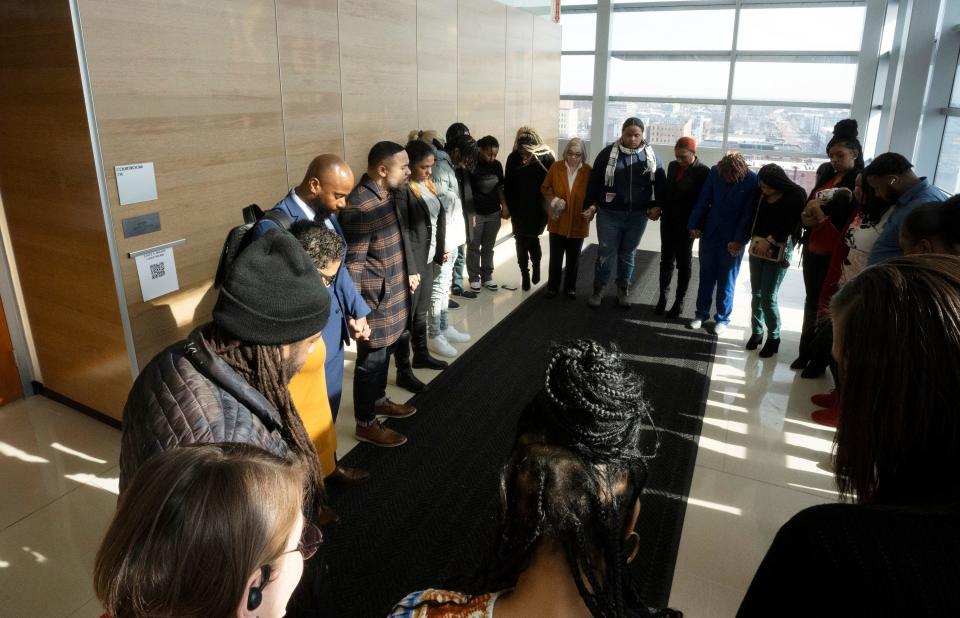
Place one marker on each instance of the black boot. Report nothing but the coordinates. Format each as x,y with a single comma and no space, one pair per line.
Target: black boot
676,309
425,361
407,380
661,304
754,342
813,370
771,347
536,272
525,280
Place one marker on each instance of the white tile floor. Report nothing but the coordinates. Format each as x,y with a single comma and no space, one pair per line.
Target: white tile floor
760,461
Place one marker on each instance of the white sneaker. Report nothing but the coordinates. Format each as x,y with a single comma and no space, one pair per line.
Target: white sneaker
452,335
695,324
440,346
475,286
719,329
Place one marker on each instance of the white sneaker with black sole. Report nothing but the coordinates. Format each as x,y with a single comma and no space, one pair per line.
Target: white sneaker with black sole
719,329
694,324
490,285
475,286
452,335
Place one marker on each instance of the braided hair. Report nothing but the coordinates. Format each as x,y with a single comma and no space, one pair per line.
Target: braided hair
263,368
733,167
575,473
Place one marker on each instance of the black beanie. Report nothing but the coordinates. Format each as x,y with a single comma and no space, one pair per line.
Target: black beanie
273,294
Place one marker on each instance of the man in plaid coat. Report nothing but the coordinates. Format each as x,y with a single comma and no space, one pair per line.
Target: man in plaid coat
376,259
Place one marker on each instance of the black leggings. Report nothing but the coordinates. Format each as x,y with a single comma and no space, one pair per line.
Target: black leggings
815,268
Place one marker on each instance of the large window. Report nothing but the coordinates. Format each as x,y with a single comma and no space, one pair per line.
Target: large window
948,164
768,80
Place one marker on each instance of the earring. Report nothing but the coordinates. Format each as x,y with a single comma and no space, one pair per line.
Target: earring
636,547
255,596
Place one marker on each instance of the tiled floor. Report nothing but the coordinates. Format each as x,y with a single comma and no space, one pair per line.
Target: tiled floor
760,461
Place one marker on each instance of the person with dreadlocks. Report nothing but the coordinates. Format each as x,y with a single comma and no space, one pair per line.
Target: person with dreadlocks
775,232
721,220
626,181
526,169
228,381
569,501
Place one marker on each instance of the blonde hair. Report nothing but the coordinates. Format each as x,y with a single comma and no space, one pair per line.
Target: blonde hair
537,148
194,524
575,141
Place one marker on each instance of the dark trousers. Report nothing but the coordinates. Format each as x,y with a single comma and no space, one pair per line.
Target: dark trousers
528,250
417,333
676,247
370,380
814,274
563,248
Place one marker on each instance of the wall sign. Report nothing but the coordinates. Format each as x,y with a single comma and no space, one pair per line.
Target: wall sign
144,224
136,182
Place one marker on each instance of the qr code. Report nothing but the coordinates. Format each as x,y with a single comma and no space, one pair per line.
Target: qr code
158,270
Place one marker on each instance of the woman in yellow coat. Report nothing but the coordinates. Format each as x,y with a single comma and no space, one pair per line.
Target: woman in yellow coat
565,188
309,392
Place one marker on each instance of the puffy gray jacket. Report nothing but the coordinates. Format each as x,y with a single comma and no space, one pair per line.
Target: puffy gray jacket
189,395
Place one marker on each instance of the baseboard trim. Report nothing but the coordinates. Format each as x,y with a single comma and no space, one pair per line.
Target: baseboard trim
40,389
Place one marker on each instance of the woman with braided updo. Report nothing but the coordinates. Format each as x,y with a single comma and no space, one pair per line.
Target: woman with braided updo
569,501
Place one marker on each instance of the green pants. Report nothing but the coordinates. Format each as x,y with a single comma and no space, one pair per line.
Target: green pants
765,280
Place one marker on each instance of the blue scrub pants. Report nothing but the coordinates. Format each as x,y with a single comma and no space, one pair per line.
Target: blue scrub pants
718,270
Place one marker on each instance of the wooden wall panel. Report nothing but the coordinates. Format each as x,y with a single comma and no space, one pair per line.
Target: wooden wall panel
436,66
519,74
310,81
195,88
378,63
482,68
52,204
546,80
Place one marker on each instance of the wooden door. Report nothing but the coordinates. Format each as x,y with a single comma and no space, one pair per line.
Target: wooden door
9,376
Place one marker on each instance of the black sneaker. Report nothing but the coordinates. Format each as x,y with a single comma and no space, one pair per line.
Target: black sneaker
468,294
754,341
452,304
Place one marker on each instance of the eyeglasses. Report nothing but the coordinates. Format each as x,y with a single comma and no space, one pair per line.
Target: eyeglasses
310,541
327,280
575,154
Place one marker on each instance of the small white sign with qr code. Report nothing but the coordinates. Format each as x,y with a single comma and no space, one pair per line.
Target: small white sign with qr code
158,273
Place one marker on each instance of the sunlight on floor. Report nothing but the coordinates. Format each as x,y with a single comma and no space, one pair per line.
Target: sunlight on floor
8,450
70,451
107,484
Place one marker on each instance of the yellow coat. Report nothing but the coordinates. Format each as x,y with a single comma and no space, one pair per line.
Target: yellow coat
309,392
570,223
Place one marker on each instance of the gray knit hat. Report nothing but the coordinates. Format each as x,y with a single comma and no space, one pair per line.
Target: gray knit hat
273,294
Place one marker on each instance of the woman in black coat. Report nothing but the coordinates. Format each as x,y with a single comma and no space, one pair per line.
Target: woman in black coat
685,178
526,169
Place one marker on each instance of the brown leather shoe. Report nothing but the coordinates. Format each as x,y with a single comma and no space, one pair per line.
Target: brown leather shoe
394,410
346,476
378,435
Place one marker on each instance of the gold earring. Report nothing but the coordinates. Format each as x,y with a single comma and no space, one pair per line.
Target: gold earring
636,546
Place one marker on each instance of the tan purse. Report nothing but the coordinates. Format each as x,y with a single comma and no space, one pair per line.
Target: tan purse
775,251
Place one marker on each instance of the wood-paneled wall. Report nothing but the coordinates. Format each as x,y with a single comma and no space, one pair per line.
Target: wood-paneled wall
230,100
52,203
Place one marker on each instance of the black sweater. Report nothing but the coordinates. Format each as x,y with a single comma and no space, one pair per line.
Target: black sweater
781,218
680,196
849,560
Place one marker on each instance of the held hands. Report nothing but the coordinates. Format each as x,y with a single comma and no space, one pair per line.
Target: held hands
359,329
734,248
654,213
504,212
695,233
414,282
589,213
446,257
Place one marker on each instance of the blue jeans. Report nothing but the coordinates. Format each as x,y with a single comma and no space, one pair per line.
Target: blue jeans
619,234
718,271
458,265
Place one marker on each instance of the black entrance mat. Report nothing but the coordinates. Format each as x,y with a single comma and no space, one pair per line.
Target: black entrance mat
428,512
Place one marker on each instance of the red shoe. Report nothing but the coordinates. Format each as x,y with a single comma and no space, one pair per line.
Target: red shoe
827,416
825,400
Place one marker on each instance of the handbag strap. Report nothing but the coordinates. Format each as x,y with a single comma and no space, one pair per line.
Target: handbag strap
756,215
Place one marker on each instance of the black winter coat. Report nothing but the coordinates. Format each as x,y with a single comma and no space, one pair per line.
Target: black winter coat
189,395
679,197
521,188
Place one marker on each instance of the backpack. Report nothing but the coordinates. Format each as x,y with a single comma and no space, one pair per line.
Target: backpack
240,236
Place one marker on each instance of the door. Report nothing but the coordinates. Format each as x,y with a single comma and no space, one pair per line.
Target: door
9,375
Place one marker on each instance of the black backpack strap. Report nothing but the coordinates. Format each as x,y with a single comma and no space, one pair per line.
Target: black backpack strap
279,217
252,213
